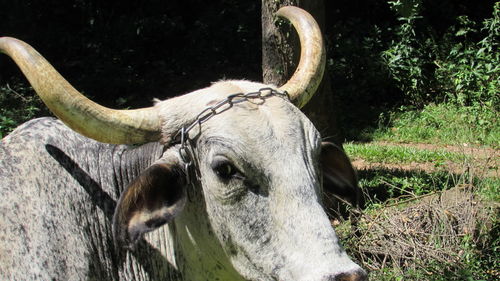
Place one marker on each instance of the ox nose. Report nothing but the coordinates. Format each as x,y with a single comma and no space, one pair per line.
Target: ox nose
355,275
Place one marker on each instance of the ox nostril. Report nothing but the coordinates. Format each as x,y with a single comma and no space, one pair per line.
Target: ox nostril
355,275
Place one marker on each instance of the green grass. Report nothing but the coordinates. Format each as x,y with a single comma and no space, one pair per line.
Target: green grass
399,154
489,188
385,186
441,123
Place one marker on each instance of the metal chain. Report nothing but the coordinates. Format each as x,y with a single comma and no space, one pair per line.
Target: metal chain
258,97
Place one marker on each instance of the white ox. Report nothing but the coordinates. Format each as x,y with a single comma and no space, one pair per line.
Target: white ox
249,210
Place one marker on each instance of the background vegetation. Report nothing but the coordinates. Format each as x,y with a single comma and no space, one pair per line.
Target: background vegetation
388,60
417,79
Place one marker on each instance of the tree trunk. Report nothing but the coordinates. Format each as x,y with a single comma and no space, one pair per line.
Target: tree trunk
280,55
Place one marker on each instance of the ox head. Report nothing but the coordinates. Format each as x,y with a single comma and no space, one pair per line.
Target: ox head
252,207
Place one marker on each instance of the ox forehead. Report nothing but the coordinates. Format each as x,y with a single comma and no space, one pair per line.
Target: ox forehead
269,127
85,204
272,138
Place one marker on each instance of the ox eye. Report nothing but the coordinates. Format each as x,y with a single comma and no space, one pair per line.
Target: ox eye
224,169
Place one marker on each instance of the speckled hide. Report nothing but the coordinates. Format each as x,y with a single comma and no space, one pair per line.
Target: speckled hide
58,193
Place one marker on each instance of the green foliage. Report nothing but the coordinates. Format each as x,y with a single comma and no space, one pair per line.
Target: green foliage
481,259
441,123
456,67
17,106
469,73
422,53
407,56
466,70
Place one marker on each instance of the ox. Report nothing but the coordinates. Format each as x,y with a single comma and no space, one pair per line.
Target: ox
236,197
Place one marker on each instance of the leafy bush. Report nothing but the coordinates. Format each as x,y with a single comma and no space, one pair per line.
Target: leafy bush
469,74
456,67
407,56
413,53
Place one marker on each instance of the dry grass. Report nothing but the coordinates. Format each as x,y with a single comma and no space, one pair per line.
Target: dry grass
426,234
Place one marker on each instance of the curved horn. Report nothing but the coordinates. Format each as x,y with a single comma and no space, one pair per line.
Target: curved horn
78,112
307,77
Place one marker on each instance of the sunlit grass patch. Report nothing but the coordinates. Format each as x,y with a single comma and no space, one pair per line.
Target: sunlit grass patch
441,123
398,154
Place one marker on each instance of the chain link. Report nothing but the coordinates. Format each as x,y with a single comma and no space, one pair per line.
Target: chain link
258,97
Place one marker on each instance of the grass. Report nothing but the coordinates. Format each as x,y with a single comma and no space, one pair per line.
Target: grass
398,154
489,188
385,186
442,124
439,224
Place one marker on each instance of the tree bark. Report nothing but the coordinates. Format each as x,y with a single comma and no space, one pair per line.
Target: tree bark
280,55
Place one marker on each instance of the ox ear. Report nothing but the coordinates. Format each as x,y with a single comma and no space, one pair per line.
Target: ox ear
153,199
339,177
